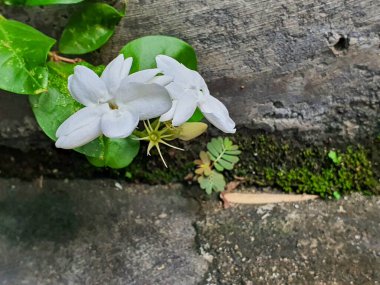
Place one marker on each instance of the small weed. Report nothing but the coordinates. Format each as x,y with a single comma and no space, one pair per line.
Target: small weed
221,155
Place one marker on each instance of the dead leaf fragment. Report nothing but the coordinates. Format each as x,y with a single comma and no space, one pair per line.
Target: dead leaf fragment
254,199
231,186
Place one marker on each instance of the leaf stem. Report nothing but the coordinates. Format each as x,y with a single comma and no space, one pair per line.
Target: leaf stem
219,157
53,55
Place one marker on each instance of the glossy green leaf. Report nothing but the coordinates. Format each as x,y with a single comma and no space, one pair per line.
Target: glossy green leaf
215,181
52,108
144,51
118,153
197,116
89,28
23,53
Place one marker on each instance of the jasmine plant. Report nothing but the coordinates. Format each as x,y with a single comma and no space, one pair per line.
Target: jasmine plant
151,92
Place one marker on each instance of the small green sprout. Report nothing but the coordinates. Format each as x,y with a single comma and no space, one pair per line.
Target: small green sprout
335,157
221,155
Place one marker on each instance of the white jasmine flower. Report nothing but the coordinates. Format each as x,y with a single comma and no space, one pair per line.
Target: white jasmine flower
189,91
114,103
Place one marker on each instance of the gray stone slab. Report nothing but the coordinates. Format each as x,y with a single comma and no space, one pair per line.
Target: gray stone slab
96,232
100,232
318,242
279,65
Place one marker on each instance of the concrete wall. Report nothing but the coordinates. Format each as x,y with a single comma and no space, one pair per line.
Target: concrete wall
312,67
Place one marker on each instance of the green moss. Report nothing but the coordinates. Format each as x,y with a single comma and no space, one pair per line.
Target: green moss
269,161
273,161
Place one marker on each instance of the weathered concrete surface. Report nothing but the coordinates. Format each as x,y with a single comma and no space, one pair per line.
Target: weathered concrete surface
314,242
309,67
312,66
92,232
97,232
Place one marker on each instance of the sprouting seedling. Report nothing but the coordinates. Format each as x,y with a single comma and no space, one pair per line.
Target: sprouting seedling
215,181
203,164
154,135
333,155
222,154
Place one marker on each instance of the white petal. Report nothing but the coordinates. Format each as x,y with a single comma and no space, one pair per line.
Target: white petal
143,76
170,67
185,108
217,114
169,114
79,129
80,119
86,87
176,90
198,82
146,100
116,71
119,123
162,80
79,137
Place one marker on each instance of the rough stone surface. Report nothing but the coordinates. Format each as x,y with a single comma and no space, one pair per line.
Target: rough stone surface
96,232
310,66
307,67
315,242
105,232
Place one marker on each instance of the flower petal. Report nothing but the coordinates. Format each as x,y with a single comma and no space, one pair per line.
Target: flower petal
176,91
170,67
86,87
181,75
116,71
185,108
217,114
80,119
79,129
162,80
146,100
143,76
169,114
119,123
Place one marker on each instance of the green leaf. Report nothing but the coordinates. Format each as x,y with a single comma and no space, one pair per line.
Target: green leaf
225,164
197,116
335,157
337,195
233,152
23,53
89,29
215,181
144,51
118,153
38,2
52,108
223,152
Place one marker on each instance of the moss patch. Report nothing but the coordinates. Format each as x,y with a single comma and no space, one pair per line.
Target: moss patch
269,161
266,160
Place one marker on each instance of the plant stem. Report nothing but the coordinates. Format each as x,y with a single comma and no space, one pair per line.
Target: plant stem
57,58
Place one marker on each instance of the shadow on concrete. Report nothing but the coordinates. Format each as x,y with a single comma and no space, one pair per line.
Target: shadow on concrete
46,216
